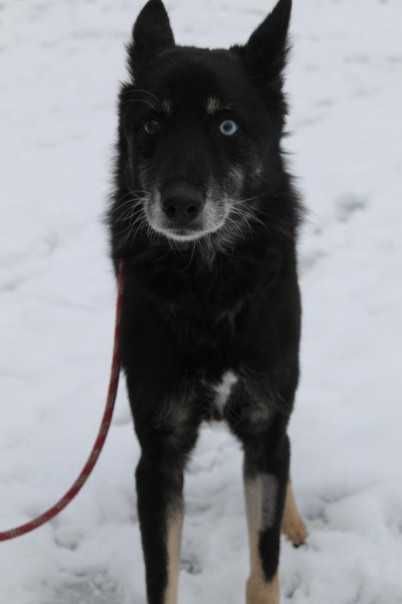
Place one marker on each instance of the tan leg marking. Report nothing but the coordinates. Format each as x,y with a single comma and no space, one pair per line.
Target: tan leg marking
174,533
258,590
293,526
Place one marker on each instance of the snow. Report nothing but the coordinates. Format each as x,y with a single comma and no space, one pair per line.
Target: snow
60,66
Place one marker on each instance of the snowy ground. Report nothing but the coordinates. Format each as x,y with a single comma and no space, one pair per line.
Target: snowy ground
60,63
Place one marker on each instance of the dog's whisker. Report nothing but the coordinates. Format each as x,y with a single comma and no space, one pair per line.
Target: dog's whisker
136,228
132,203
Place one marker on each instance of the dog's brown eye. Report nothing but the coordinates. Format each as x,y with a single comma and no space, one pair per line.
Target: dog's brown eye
228,127
152,127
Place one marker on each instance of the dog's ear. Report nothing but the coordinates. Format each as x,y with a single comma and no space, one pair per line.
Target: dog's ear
151,35
266,51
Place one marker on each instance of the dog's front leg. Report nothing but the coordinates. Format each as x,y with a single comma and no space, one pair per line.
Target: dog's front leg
167,429
160,508
266,469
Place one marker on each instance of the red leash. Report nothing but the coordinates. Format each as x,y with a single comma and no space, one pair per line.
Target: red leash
100,440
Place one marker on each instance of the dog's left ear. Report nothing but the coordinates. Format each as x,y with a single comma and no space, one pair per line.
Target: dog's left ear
266,51
152,34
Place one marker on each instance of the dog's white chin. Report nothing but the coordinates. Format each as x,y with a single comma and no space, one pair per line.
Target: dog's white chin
185,236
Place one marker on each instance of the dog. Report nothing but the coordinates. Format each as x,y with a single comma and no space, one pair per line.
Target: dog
205,217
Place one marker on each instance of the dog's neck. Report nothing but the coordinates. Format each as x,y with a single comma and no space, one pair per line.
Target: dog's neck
182,278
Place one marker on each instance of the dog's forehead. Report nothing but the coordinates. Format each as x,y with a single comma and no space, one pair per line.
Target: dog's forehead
210,80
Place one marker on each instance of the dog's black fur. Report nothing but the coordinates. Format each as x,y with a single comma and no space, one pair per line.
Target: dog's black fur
228,301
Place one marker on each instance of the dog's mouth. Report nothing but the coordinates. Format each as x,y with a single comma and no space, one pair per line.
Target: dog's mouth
185,234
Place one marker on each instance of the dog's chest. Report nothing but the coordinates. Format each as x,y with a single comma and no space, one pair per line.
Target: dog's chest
224,389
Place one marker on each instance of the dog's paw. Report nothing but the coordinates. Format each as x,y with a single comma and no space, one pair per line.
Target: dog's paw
295,531
293,526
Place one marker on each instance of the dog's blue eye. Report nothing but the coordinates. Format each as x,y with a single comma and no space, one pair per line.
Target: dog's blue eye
152,127
228,128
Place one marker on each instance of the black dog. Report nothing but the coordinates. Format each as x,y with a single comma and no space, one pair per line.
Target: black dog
205,217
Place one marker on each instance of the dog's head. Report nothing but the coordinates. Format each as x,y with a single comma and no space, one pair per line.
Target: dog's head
200,130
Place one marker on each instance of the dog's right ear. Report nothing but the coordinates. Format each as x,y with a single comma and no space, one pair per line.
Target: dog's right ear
151,35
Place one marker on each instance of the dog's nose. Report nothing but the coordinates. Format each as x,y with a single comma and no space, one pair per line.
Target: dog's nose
182,203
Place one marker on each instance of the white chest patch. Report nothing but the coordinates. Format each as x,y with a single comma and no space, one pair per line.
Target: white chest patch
224,389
